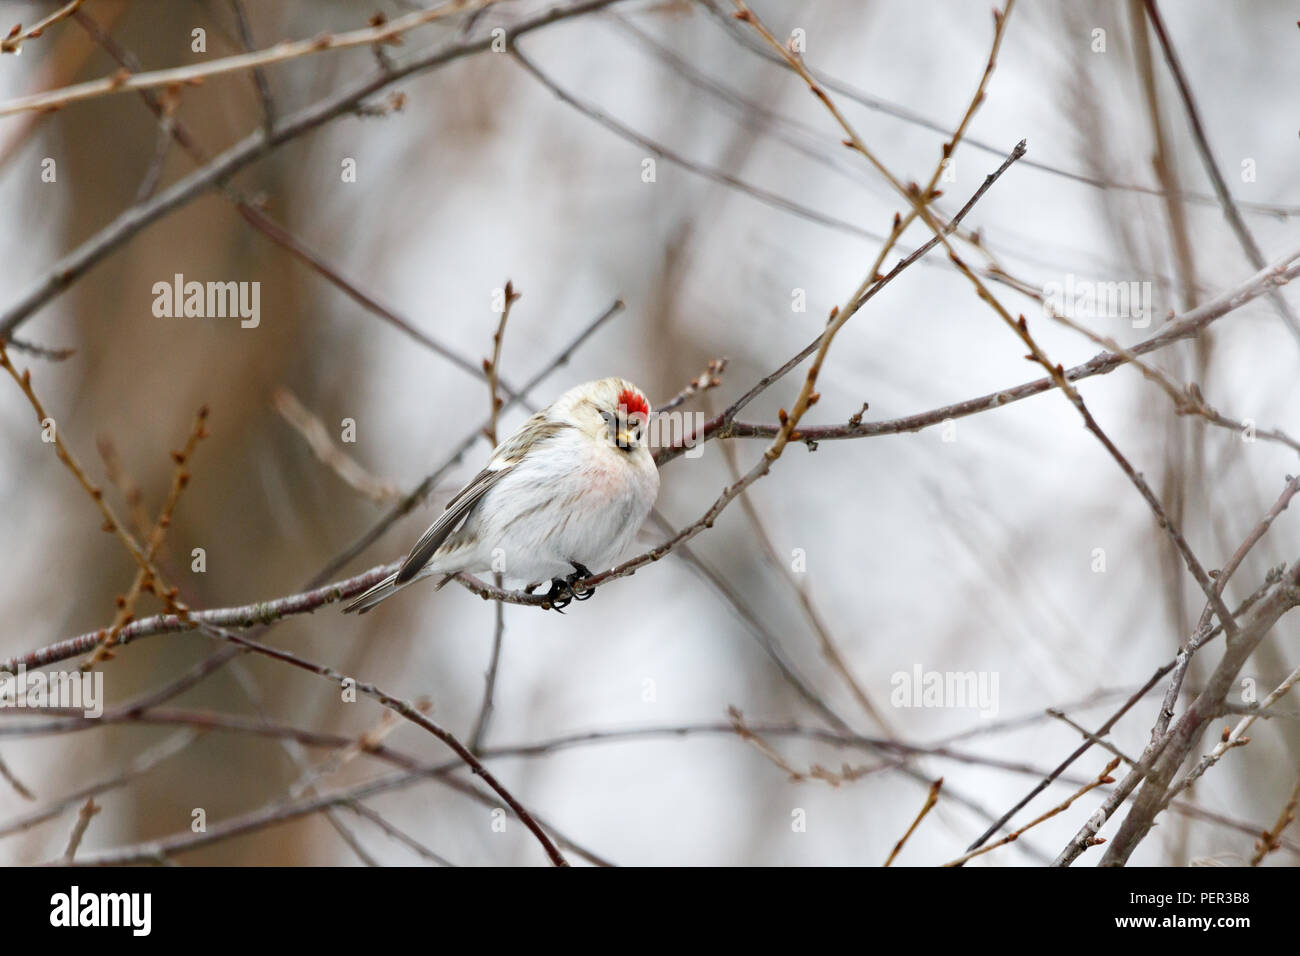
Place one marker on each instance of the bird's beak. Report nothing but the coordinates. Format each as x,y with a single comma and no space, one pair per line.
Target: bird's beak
626,438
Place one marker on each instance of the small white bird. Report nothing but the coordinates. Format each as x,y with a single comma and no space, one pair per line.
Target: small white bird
565,493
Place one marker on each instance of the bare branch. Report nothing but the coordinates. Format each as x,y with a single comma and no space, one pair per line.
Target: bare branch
196,73
248,150
930,800
13,42
1230,210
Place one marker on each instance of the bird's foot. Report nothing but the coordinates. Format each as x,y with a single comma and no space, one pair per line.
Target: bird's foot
564,591
559,596
580,572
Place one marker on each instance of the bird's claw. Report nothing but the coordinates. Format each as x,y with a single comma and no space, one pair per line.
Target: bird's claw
564,592
559,596
579,573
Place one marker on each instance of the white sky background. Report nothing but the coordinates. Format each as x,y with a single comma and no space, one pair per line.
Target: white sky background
974,554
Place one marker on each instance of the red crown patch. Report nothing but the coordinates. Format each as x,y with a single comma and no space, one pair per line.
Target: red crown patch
634,402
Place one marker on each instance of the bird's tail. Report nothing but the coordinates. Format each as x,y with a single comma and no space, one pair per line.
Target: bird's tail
386,589
380,592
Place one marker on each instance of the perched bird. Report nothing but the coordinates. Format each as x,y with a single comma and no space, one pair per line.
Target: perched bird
565,493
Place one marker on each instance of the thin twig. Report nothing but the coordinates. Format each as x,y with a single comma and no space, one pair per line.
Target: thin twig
137,767
1230,210
317,437
265,612
1283,270
1271,840
361,810
1160,737
815,772
8,776
490,681
13,42
259,75
253,147
148,578
879,105
196,73
167,104
1103,778
491,366
87,813
38,351
147,575
930,800
412,713
710,378
1156,792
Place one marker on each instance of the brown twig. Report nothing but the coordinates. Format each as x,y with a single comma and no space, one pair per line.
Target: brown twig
13,42
196,73
203,721
830,648
253,147
1019,326
137,767
723,177
1186,399
917,198
491,369
259,74
270,611
111,522
317,436
148,578
710,378
412,713
1103,778
1283,270
1177,743
1230,210
7,775
257,217
38,351
879,105
846,774
87,813
147,575
492,365
127,486
1234,738
930,800
167,105
363,811
1271,840
1160,736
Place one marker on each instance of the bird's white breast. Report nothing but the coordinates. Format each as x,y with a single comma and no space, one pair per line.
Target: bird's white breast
578,502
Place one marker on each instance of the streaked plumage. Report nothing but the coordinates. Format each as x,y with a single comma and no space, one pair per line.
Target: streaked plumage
570,487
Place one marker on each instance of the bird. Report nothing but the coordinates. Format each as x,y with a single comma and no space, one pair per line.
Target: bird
565,493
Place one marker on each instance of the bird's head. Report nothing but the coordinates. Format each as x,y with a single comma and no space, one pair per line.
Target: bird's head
609,409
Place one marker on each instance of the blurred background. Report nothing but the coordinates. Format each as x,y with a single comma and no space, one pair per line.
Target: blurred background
963,548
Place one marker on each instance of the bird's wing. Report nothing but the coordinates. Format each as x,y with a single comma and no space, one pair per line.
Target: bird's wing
508,454
449,521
